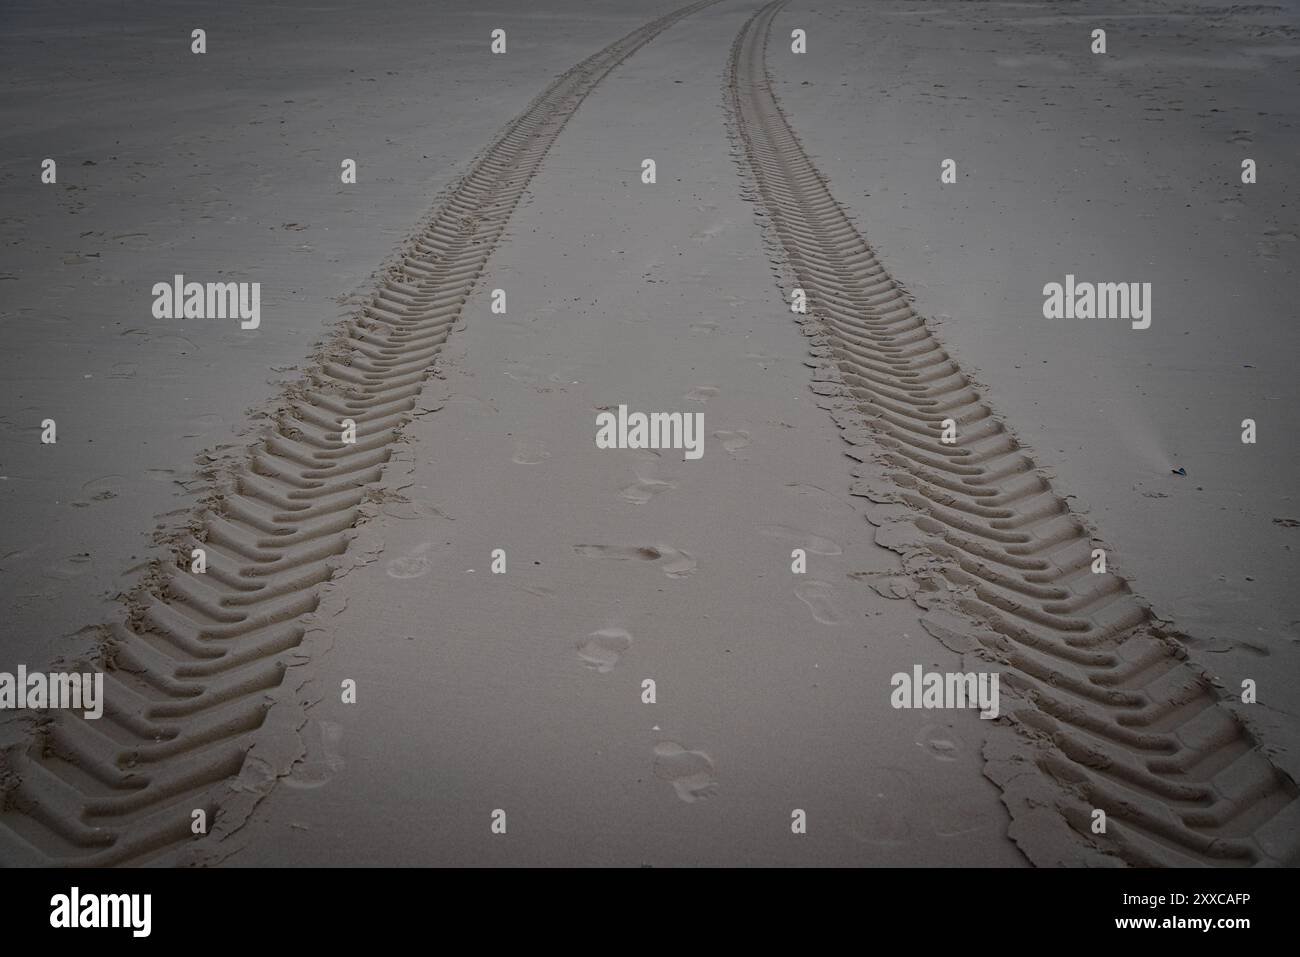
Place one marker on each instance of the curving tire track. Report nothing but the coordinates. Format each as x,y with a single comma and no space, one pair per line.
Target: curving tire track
1116,717
190,674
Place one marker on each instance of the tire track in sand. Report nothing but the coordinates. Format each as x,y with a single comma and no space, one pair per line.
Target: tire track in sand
1114,715
191,672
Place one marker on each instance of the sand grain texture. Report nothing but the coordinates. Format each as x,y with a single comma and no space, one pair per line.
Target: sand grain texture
191,665
1118,717
523,692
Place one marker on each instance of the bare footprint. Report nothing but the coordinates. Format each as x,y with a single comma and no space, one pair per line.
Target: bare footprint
413,565
814,543
521,371
603,648
733,442
405,509
100,489
642,490
817,595
938,742
815,491
702,393
529,452
712,225
647,484
1268,246
532,371
675,563
690,772
323,740
1230,208
68,568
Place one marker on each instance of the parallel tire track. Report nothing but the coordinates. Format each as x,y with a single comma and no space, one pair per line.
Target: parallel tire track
189,672
1120,720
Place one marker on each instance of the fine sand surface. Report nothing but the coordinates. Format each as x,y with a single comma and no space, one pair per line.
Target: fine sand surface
522,693
1123,167
222,166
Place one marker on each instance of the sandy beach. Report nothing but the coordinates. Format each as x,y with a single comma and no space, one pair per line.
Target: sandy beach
436,621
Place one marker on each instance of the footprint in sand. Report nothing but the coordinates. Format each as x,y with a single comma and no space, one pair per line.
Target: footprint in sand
676,564
204,422
938,742
817,595
1230,208
646,486
712,230
413,565
322,741
733,442
529,452
1269,247
68,568
521,372
603,648
815,491
532,371
100,490
813,543
690,772
702,393
406,509
642,490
